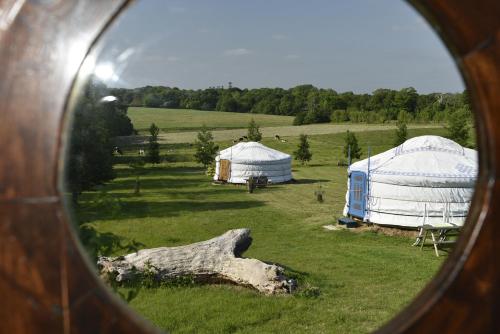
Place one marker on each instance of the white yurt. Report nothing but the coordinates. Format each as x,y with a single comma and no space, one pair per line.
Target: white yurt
237,163
425,180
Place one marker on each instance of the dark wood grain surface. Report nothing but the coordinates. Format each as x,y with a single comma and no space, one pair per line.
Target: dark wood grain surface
464,296
45,284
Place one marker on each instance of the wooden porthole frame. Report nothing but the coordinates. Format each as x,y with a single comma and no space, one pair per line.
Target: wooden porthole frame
45,283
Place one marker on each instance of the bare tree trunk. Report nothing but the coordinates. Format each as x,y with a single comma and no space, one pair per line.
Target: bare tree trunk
218,258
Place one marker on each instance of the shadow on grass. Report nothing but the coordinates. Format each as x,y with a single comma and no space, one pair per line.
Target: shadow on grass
139,209
317,165
310,181
132,144
166,157
148,183
300,276
161,169
105,243
127,193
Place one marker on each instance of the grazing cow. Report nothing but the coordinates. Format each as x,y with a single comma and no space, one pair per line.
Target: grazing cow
141,152
241,139
277,137
283,140
235,141
245,137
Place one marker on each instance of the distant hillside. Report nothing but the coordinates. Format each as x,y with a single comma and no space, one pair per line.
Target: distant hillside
176,120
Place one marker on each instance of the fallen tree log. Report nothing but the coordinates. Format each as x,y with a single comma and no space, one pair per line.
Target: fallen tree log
215,259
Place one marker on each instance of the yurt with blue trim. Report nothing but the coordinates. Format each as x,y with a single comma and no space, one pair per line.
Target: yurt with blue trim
425,180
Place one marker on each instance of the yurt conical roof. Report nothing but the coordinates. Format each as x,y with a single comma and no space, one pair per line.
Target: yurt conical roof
423,161
253,153
238,163
425,180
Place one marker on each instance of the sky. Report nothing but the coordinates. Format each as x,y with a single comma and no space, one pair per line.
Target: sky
346,45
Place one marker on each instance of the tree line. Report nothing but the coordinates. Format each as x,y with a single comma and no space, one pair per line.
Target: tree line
307,103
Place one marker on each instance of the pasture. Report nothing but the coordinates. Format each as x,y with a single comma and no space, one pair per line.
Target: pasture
363,278
169,120
181,125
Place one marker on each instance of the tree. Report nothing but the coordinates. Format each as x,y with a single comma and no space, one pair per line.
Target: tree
402,130
352,142
299,118
286,106
253,131
153,153
303,154
466,100
316,115
339,116
227,102
406,99
90,155
206,149
117,121
152,100
458,127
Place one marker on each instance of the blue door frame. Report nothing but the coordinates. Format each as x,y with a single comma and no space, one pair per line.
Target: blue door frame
357,194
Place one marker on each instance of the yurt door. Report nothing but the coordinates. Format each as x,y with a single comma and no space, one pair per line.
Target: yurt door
224,170
357,194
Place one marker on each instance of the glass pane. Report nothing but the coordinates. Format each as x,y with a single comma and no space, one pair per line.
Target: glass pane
338,133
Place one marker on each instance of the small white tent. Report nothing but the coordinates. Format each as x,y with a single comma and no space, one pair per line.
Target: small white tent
237,163
427,179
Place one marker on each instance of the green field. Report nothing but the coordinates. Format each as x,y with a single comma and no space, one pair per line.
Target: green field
364,278
188,119
181,125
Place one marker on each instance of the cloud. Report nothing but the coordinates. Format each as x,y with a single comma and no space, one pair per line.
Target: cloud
279,37
237,52
292,57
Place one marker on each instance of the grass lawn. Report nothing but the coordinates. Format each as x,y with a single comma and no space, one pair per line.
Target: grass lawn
181,125
364,278
188,119
284,131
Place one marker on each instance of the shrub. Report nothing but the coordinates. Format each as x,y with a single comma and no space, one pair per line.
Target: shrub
352,142
206,149
458,127
253,131
303,154
153,153
299,118
402,130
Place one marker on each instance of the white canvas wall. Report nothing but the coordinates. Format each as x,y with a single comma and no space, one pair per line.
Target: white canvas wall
427,174
254,159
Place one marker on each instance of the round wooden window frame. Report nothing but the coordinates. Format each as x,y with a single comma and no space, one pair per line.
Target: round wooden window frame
45,282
